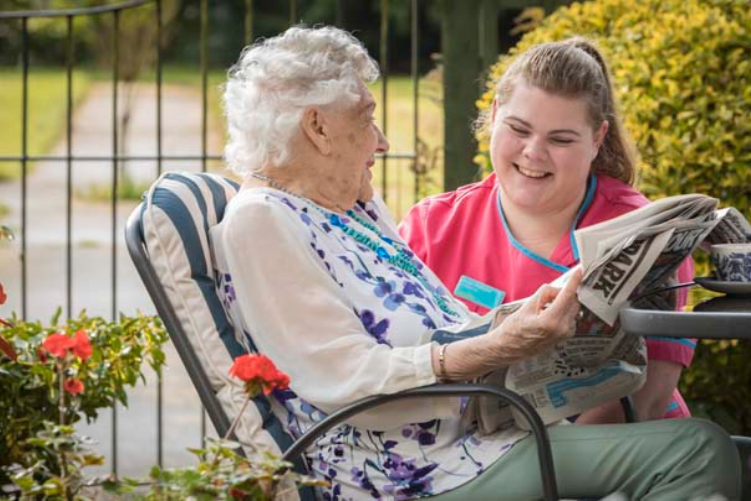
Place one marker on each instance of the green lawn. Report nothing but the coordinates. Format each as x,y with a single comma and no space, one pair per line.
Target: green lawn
399,129
47,107
47,112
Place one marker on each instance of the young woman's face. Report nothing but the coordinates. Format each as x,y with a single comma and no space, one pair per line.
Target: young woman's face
541,147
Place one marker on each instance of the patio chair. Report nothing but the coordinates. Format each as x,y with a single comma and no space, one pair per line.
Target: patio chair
167,238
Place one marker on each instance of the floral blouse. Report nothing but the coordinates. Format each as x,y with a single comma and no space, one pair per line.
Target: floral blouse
345,322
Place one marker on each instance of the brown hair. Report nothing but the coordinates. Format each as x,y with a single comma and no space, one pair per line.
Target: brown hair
575,68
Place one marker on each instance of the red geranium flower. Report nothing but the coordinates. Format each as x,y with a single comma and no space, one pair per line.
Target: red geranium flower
237,493
73,385
58,344
258,371
82,347
3,296
7,348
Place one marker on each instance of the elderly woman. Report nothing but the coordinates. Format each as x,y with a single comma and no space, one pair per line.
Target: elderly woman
327,289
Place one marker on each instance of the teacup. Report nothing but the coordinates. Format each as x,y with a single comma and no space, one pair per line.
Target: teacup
732,262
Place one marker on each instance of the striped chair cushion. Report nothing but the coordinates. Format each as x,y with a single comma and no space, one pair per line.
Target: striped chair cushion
178,212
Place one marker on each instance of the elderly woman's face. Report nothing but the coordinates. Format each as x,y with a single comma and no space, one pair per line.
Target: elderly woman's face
356,138
542,146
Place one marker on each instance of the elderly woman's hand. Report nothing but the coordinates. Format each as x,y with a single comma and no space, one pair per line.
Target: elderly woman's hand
544,320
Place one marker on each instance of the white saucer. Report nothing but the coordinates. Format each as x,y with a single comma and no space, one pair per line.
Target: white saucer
741,289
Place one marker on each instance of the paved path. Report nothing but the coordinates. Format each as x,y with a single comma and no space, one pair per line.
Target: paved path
92,257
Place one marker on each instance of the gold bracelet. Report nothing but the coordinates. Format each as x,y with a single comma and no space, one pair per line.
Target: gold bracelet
442,363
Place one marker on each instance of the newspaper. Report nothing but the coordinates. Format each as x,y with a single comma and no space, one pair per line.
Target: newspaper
624,260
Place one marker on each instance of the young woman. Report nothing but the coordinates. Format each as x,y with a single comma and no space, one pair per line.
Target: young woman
560,162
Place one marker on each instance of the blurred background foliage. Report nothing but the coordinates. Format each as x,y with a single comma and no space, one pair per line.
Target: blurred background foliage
227,29
682,72
717,386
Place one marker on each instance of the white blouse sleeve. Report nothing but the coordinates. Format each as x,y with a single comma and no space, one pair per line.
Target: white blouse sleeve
300,318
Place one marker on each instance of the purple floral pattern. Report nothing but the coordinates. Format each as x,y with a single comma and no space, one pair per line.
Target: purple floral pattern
377,329
223,284
415,460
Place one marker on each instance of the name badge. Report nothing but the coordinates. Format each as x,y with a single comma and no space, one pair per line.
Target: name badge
478,292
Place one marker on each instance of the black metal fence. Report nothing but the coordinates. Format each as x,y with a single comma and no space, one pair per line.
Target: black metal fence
75,277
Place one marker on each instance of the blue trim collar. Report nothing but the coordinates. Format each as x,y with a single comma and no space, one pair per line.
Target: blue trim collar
588,197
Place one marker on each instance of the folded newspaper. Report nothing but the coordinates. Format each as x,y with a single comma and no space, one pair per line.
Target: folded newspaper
631,259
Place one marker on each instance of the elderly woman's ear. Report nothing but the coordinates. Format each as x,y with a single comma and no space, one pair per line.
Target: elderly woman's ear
315,125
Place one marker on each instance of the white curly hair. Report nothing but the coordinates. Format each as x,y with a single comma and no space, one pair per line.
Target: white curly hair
276,79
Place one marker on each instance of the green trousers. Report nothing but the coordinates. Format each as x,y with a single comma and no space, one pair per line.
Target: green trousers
677,459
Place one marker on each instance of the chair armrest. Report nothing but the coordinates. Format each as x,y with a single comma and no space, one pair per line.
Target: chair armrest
545,455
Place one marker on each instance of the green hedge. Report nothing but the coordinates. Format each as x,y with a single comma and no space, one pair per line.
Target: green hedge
718,384
682,72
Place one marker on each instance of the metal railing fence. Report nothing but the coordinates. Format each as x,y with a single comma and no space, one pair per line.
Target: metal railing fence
117,157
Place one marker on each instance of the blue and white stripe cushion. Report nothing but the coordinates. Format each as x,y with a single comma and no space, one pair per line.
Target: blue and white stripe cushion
179,210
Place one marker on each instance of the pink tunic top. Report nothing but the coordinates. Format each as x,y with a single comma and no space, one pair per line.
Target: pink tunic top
464,233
